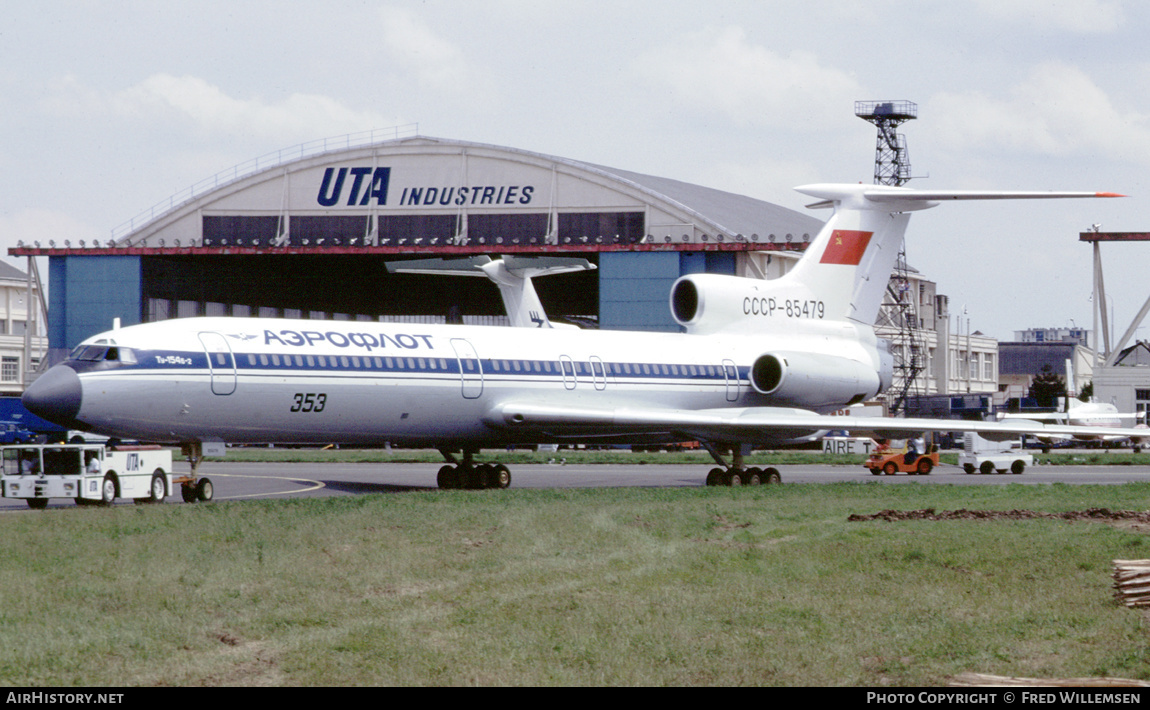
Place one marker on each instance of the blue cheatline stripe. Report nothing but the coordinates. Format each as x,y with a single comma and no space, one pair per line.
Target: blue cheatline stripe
541,369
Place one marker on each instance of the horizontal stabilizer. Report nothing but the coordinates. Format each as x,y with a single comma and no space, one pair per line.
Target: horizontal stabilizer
524,266
941,195
890,198
520,266
471,266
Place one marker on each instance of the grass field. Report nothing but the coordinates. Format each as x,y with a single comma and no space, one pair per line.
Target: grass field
710,586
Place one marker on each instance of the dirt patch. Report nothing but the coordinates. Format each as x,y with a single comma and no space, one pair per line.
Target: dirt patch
723,525
1103,515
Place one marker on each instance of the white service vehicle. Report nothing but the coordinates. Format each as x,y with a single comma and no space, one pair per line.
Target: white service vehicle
987,457
91,473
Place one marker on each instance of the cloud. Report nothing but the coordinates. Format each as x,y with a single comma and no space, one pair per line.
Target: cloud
1078,16
211,110
413,42
428,60
1057,110
765,179
719,70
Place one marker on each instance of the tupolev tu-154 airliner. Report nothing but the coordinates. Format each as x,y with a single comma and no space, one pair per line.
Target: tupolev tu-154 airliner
761,362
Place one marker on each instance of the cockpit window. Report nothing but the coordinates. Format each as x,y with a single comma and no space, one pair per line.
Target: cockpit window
96,353
92,353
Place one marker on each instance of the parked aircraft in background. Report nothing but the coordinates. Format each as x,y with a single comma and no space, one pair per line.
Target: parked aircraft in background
1090,414
760,363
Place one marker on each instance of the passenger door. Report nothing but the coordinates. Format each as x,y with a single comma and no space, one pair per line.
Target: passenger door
731,375
470,370
221,362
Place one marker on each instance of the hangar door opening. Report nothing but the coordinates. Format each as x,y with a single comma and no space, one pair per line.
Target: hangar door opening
340,287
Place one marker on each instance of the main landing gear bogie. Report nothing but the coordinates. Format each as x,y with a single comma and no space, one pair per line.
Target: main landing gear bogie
752,476
736,473
474,476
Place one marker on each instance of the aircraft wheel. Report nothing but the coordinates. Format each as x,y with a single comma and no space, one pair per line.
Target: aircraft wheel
108,490
501,478
925,466
771,476
468,477
1018,467
735,477
37,503
204,489
890,468
188,492
485,476
986,468
448,477
754,477
715,477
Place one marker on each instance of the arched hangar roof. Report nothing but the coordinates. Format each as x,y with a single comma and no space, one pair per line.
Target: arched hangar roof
430,193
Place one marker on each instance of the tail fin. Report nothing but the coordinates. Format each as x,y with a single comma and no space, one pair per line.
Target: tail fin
849,263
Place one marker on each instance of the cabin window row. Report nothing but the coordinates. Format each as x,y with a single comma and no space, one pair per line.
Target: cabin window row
544,367
623,369
354,362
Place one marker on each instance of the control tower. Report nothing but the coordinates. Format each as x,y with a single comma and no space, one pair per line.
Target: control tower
898,319
891,163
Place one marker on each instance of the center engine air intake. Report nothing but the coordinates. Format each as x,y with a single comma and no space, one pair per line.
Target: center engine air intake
812,380
710,303
684,301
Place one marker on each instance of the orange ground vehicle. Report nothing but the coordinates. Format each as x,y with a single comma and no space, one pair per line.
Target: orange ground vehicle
889,461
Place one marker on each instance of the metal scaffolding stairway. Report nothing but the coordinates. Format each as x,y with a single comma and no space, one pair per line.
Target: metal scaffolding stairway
899,314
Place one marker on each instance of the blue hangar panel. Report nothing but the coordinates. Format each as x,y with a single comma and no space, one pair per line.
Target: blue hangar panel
635,287
87,292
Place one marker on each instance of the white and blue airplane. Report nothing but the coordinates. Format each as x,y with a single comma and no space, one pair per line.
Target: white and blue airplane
761,362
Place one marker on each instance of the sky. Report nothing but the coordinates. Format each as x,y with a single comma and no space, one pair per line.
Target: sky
108,108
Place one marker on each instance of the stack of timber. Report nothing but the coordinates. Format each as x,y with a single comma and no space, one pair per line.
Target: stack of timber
982,680
1132,582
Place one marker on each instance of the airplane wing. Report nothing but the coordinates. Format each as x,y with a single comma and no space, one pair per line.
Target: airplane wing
1063,417
759,424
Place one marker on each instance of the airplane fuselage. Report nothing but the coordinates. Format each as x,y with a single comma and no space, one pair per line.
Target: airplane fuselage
761,362
285,381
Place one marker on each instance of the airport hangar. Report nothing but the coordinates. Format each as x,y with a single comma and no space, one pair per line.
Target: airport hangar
307,233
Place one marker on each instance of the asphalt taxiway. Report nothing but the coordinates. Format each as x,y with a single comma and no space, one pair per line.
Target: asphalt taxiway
235,481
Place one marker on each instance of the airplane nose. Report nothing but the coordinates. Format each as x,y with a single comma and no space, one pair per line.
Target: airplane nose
55,396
